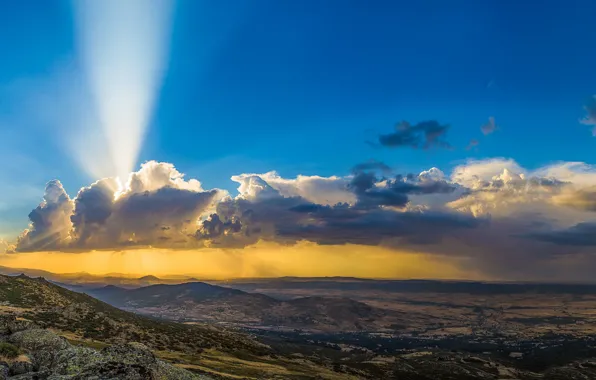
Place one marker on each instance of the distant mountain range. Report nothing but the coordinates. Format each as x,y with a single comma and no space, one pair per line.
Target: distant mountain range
273,285
197,301
86,280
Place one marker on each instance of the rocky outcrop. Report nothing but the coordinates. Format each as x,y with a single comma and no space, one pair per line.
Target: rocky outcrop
48,356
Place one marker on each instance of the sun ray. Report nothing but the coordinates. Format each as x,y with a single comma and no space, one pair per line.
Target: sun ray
123,47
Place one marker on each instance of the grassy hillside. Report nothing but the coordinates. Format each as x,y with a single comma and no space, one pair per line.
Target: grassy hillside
52,306
86,321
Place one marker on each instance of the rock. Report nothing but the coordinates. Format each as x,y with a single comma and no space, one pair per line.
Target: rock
3,371
73,359
20,367
52,357
44,346
169,372
44,375
115,370
38,339
9,324
130,353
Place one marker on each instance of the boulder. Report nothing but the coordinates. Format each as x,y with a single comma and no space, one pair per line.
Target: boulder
20,366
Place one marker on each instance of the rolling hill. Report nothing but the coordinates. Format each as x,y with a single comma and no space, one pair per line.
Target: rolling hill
201,302
41,311
52,306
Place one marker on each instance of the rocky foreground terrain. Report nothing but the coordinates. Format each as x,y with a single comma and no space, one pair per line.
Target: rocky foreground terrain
31,353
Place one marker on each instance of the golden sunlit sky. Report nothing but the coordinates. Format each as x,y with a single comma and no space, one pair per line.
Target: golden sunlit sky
260,260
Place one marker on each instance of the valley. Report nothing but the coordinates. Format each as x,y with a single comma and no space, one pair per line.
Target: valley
328,328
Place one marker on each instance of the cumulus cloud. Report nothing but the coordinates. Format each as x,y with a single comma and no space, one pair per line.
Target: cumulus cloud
491,215
316,189
50,221
501,187
394,192
578,173
475,173
378,215
590,118
156,206
423,135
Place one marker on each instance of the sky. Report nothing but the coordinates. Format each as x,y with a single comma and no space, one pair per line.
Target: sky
341,99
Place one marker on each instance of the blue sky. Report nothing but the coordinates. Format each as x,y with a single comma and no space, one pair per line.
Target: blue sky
299,87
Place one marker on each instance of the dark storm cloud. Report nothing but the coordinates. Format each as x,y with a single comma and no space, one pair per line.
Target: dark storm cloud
424,135
371,191
214,227
373,227
266,214
371,166
581,234
50,221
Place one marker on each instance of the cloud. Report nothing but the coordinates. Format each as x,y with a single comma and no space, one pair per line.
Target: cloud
502,187
373,192
372,165
377,227
476,172
472,144
93,207
317,189
157,207
581,234
214,227
491,216
378,215
423,135
577,173
489,127
590,118
582,199
50,221
6,247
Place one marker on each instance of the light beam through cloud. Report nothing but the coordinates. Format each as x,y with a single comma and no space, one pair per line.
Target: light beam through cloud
123,47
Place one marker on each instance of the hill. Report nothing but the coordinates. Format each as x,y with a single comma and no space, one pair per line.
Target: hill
46,308
52,306
199,301
83,280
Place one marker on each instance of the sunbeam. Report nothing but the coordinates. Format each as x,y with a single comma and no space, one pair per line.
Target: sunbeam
123,47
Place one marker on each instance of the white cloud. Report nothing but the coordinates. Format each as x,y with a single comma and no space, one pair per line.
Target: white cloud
316,189
476,172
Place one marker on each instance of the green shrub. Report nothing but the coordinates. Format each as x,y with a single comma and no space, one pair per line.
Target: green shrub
9,350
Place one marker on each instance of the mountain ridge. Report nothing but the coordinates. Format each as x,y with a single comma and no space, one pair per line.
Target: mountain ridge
198,301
